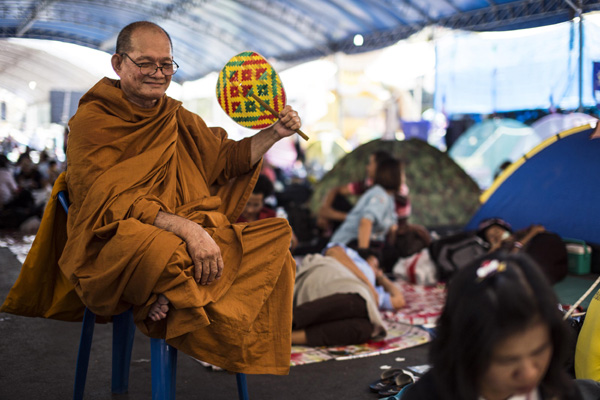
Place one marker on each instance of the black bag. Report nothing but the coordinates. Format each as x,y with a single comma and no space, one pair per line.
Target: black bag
454,252
548,250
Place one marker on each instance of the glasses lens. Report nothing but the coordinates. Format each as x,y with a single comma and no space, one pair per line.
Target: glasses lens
147,68
168,69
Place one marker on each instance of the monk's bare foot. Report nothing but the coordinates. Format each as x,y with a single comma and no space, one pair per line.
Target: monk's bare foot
159,309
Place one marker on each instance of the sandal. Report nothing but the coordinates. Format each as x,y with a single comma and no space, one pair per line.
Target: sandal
400,381
398,395
387,379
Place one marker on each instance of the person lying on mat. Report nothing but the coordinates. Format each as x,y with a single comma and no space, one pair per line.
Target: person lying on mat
500,336
546,248
499,234
155,194
337,297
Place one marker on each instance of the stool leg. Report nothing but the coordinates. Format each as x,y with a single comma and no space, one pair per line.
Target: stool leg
241,386
123,333
83,355
164,369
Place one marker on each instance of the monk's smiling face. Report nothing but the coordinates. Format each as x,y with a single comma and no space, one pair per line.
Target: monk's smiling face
148,45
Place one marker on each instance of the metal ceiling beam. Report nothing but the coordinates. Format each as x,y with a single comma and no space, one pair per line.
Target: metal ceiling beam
288,15
28,23
419,10
577,8
483,19
504,14
453,5
192,22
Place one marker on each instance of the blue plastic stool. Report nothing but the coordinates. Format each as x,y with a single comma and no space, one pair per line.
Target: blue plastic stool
163,356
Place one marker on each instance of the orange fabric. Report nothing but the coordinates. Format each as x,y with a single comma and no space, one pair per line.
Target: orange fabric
42,290
125,164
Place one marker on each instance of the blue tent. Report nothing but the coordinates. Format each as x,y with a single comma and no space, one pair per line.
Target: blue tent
557,185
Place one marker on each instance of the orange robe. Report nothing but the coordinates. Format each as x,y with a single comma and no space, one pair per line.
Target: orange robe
125,164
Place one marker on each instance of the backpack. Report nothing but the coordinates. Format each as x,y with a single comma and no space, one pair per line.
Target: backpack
456,251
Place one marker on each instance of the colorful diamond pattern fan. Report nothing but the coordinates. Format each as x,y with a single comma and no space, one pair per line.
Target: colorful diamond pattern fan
246,75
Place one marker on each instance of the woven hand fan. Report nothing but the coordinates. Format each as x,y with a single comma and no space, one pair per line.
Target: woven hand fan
250,91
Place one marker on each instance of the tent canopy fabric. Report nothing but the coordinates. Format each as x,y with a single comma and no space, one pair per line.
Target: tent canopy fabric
441,193
208,33
482,148
553,124
556,185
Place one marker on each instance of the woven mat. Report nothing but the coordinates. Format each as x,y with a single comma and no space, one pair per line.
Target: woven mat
423,304
400,336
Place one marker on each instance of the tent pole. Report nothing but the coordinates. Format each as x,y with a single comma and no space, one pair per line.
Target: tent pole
580,109
579,15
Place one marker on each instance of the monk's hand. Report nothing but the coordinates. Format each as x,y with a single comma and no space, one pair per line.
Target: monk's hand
204,252
206,256
288,122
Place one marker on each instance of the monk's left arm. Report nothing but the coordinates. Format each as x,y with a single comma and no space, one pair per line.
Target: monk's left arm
288,122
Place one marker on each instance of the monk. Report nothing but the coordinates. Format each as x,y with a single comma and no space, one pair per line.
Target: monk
155,195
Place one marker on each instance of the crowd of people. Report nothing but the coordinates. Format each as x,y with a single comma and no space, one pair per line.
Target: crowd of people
24,189
187,222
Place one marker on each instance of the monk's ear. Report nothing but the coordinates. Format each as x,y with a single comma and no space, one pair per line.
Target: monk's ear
117,63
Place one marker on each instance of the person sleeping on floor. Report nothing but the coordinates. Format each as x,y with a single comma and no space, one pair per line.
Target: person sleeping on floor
337,298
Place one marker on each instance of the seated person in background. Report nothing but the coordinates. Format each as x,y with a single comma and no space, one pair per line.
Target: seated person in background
404,240
255,207
337,298
448,254
54,170
546,248
500,336
336,204
18,203
407,238
29,177
374,215
8,185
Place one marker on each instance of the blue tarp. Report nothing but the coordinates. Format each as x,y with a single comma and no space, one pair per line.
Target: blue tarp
556,185
206,34
536,68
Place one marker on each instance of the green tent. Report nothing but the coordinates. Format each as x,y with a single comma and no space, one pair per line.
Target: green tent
441,193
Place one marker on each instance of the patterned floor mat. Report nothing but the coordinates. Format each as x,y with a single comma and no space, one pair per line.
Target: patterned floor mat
400,336
423,304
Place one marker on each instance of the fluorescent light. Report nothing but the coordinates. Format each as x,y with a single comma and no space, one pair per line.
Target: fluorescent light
358,40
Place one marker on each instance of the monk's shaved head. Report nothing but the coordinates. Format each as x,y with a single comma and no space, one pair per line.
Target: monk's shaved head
124,44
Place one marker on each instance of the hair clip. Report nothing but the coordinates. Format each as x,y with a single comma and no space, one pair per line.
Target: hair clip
489,268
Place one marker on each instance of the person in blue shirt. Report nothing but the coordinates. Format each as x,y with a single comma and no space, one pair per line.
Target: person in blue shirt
374,215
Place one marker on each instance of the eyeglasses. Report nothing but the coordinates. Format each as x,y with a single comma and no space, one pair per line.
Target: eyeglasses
150,68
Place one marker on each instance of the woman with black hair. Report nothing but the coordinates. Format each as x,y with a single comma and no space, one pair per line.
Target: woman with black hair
500,336
374,215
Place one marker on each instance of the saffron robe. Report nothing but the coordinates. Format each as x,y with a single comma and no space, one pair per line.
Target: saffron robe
125,164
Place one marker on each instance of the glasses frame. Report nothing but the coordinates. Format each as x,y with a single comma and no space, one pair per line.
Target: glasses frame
157,66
